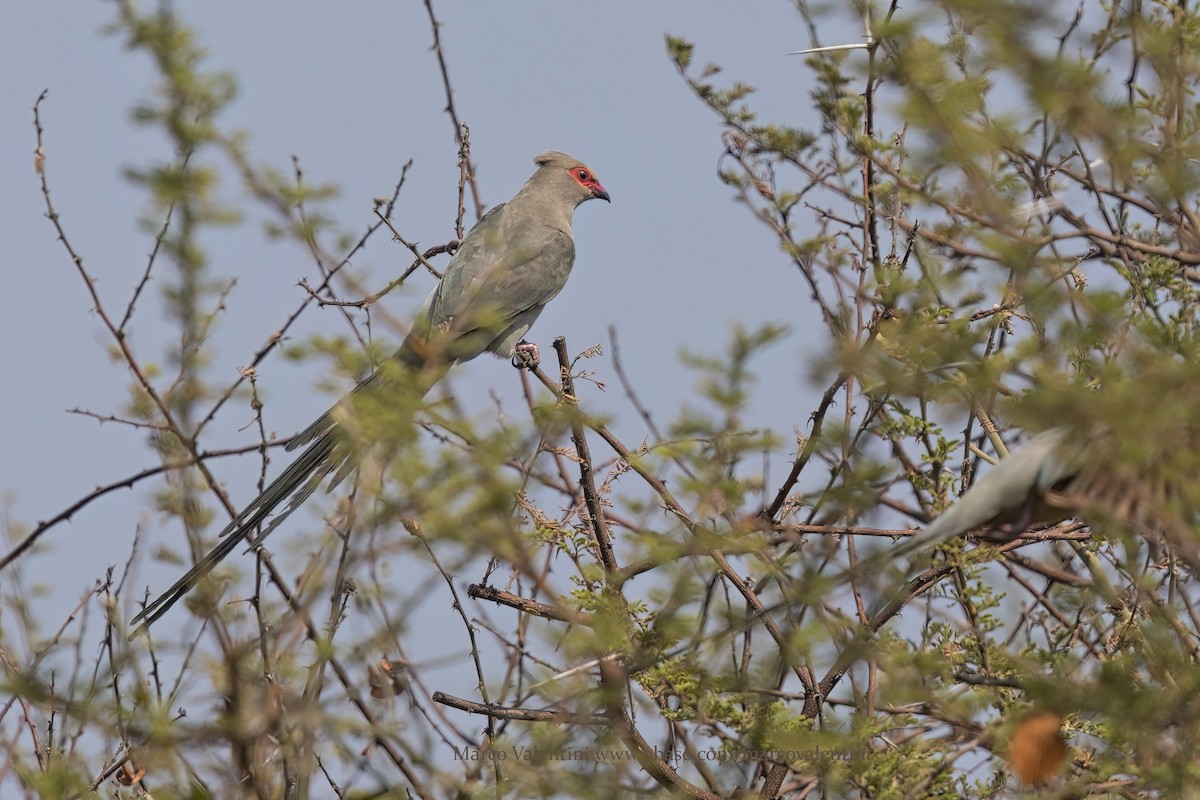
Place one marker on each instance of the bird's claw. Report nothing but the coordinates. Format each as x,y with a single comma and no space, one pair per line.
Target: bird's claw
526,355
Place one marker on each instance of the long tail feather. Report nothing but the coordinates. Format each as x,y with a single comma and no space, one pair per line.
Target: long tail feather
297,482
327,452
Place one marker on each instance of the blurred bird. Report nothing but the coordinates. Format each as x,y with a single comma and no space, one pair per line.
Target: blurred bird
1058,474
1010,497
510,265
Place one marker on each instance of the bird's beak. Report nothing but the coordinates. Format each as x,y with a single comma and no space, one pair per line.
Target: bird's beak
600,192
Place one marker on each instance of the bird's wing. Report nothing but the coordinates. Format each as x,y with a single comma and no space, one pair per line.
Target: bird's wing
501,272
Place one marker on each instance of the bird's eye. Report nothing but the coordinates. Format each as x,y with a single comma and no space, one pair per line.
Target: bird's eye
583,175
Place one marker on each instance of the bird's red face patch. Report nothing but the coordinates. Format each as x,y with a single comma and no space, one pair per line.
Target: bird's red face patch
587,180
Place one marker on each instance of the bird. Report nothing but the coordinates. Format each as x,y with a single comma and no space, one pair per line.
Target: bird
1061,473
1010,497
513,262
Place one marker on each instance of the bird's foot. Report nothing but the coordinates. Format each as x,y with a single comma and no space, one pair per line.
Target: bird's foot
526,355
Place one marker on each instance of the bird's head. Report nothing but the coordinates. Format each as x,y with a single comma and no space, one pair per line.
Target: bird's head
572,177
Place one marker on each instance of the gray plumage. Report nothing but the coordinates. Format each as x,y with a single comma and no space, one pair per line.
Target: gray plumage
1010,497
1058,474
513,262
